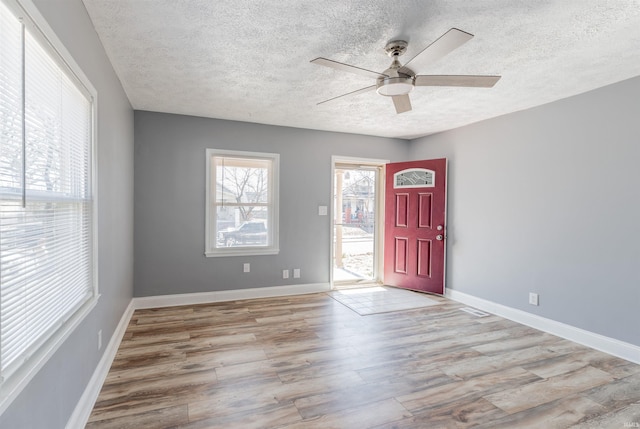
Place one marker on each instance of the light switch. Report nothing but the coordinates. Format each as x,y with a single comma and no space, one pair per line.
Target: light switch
322,210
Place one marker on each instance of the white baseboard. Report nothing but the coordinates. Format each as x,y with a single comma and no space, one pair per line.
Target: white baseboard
85,405
228,295
608,345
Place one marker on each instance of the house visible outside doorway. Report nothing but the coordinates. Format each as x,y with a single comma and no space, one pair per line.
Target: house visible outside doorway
357,221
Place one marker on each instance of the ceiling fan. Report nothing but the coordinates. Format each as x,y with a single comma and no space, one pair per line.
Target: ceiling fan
398,80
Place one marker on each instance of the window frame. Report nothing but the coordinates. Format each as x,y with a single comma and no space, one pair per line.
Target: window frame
272,248
44,35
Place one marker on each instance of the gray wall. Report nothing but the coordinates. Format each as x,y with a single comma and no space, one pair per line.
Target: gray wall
170,201
546,200
49,400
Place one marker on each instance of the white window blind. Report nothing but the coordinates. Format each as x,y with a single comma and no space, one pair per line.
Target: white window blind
46,200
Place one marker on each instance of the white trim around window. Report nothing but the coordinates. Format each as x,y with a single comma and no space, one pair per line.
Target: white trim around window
242,201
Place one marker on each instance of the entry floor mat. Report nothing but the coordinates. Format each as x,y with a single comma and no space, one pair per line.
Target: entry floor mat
381,299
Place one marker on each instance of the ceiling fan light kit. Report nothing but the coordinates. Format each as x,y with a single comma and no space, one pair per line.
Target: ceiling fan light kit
390,86
398,81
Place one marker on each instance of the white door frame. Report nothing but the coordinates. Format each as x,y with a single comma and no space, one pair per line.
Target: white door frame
379,228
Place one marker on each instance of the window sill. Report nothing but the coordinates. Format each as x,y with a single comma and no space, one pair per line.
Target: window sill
241,252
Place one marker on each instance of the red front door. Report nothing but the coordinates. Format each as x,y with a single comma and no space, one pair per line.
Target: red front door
414,238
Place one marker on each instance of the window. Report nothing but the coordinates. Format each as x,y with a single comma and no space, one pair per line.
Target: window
414,178
47,238
242,203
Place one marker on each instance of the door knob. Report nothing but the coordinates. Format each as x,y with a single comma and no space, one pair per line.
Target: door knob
439,237
439,227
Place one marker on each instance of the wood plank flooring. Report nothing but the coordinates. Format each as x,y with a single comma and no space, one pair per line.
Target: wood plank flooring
310,362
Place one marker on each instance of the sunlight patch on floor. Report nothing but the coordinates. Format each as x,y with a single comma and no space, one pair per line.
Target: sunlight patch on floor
381,299
363,291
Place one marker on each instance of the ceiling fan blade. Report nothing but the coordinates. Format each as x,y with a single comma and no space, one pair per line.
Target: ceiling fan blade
451,80
446,43
346,67
356,92
402,103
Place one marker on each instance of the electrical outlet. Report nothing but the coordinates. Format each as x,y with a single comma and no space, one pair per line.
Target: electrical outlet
100,340
296,273
246,268
285,274
533,298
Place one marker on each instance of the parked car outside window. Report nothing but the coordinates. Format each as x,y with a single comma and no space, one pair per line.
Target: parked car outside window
252,232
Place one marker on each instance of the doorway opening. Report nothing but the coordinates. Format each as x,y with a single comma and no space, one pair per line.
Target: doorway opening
357,222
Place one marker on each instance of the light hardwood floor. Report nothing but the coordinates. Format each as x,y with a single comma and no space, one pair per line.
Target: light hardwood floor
310,362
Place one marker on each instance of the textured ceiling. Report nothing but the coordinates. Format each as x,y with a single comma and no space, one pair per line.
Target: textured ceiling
248,60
